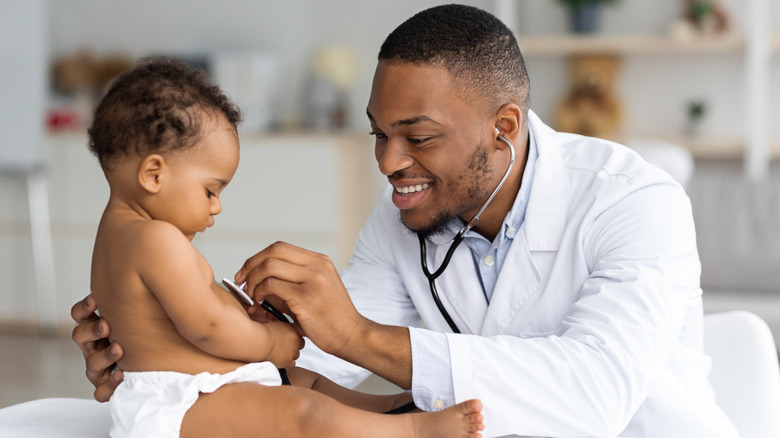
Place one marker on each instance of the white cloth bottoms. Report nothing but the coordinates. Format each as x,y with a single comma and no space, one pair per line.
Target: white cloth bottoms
153,403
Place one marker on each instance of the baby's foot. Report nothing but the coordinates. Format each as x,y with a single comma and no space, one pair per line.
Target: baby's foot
462,420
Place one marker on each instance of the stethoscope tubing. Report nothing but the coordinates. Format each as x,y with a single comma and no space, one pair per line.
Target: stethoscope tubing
456,241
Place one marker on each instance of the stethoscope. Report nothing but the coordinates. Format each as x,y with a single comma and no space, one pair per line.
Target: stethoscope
457,240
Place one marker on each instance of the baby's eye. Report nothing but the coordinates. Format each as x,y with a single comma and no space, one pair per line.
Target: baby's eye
209,193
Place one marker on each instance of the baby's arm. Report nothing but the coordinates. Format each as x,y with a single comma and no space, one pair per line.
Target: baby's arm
367,402
174,271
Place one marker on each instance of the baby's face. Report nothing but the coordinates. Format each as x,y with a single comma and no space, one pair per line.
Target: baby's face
196,178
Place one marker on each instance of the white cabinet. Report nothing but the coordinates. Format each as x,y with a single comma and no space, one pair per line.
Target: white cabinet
314,190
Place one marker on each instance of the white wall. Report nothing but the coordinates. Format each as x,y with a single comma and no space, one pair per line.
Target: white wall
291,29
653,88
23,66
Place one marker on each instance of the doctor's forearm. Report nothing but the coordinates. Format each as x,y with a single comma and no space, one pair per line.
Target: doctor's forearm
384,350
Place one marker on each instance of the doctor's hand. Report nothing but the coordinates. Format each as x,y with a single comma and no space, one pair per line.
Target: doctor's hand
91,336
311,289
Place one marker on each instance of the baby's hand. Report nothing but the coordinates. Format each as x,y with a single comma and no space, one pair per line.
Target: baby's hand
286,346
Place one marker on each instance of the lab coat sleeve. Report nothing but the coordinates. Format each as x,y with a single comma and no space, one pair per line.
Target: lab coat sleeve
376,291
431,385
590,377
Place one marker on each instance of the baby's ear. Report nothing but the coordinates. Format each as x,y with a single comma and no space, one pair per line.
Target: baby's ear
150,173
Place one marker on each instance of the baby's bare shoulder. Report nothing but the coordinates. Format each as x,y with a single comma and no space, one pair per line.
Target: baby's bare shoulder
154,229
143,237
161,237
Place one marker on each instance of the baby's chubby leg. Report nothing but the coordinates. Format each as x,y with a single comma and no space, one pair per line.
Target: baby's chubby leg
246,409
367,402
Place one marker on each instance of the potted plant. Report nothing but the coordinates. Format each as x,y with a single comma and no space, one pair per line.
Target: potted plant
696,110
584,14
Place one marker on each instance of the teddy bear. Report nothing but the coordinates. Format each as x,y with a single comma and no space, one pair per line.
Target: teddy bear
80,79
84,72
591,107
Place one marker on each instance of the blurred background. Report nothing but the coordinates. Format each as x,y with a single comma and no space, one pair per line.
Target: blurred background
691,85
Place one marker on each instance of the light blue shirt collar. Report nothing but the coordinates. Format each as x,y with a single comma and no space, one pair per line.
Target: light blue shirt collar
513,220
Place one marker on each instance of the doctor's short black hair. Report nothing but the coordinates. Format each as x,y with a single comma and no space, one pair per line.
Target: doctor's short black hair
154,107
478,50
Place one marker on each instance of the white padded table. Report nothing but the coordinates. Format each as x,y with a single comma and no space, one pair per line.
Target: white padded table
56,418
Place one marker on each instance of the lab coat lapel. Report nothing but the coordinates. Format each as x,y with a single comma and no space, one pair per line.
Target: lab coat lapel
545,218
460,289
525,267
518,280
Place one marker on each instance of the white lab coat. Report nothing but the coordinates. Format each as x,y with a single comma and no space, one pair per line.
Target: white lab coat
595,323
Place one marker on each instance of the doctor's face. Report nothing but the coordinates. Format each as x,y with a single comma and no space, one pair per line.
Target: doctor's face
431,145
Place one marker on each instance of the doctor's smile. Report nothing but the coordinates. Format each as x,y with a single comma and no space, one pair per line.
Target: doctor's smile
406,197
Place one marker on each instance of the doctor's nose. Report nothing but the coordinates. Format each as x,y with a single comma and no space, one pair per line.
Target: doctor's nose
392,157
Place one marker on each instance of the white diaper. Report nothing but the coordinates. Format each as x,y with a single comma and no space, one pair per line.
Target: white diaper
153,403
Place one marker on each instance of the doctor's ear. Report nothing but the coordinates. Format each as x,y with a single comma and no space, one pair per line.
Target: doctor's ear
150,172
509,123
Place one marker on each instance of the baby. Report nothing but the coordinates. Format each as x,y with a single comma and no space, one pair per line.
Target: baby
196,364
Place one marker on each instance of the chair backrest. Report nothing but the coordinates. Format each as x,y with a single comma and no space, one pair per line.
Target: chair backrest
745,373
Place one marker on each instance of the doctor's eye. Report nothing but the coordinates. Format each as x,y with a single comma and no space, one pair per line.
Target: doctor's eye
418,141
378,135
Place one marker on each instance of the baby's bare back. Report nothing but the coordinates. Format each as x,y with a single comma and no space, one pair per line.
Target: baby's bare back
138,320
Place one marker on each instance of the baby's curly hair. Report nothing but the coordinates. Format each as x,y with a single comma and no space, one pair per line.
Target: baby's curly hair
156,106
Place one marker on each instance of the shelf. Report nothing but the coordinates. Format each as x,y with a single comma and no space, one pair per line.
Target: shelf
720,148
755,44
555,45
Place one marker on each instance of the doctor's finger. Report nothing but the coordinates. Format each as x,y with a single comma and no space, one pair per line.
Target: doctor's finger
104,391
84,310
276,268
102,361
282,251
276,290
91,336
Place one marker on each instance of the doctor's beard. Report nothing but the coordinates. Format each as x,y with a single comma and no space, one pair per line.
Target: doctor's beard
475,175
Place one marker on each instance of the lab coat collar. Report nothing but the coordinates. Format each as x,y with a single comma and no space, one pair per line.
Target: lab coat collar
545,217
516,214
541,231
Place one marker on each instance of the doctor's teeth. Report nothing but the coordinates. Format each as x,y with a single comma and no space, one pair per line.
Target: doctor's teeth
412,189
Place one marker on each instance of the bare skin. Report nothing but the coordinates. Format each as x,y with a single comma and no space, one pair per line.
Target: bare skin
91,335
159,295
143,260
297,412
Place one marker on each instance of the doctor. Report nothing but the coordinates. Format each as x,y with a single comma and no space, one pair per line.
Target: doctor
576,292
